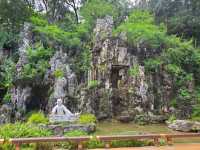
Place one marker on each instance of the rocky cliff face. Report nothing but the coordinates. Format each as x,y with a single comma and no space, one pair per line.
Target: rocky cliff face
125,90
118,84
64,87
39,93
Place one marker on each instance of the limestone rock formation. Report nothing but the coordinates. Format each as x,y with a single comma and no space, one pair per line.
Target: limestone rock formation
22,91
125,89
185,125
63,87
40,93
5,114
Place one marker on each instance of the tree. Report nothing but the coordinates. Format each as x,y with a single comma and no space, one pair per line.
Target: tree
13,14
74,4
182,17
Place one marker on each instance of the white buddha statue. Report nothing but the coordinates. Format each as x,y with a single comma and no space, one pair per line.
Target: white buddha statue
61,114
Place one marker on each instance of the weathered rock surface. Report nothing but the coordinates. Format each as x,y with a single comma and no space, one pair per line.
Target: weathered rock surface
5,114
63,87
125,91
59,130
41,93
185,125
120,92
22,91
147,118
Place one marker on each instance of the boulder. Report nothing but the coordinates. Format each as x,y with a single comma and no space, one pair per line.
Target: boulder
5,114
126,117
150,118
185,125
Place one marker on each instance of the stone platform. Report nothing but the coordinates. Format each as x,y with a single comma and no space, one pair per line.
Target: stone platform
60,129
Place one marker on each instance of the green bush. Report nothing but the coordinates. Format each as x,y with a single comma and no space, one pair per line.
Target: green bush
19,130
58,73
173,69
130,143
44,146
75,133
95,9
87,118
173,103
171,119
83,62
39,52
134,71
196,113
7,73
141,29
7,146
152,65
94,143
7,98
38,58
39,21
38,118
54,33
93,84
71,145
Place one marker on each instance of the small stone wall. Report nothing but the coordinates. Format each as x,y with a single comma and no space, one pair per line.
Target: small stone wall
60,129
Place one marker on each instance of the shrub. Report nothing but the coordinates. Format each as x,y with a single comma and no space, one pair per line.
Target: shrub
75,133
38,53
131,143
19,130
7,146
93,84
173,103
7,73
196,113
44,146
7,98
58,73
38,58
140,28
54,33
39,21
171,119
134,71
95,9
152,65
38,118
83,61
94,143
87,118
71,145
173,69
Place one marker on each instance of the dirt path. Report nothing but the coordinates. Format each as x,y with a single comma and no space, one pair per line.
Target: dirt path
174,147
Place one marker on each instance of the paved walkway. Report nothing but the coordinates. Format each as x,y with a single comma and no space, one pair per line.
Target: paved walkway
174,147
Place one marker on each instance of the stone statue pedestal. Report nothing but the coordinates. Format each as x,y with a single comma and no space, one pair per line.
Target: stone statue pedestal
62,118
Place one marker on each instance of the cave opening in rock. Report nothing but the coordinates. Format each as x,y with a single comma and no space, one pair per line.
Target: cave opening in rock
38,99
2,94
115,75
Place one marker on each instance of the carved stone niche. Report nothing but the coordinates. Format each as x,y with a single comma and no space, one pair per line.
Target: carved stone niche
118,75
